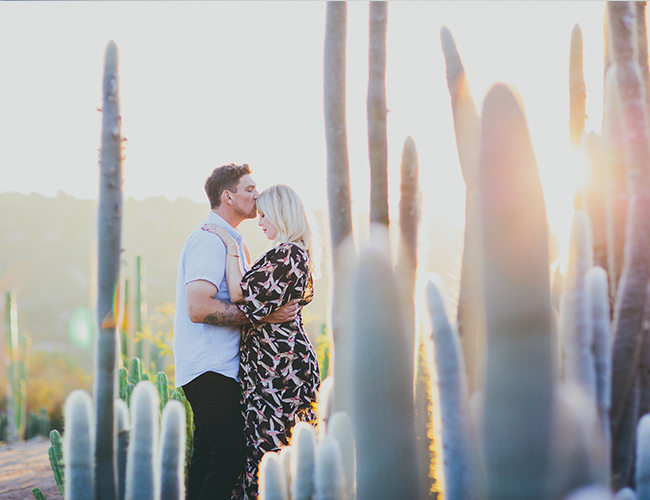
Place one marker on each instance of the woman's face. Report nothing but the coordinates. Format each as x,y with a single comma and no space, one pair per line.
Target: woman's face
268,228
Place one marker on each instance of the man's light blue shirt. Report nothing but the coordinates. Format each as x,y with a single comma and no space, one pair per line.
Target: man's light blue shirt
199,348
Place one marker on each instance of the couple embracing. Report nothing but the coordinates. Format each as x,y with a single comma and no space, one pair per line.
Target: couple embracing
240,350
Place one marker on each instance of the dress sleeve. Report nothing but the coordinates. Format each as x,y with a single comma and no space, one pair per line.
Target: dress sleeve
277,277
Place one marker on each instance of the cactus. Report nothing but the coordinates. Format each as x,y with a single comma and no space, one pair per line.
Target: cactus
55,454
17,347
271,480
597,285
109,248
172,452
409,224
471,311
123,431
329,479
631,295
284,455
135,371
142,477
78,447
461,465
340,428
302,461
163,391
518,410
123,376
643,459
575,308
377,111
625,494
141,348
577,88
382,385
338,190
38,494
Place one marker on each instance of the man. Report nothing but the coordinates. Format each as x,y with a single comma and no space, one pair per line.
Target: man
207,334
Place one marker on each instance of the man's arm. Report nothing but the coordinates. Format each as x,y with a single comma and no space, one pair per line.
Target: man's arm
203,307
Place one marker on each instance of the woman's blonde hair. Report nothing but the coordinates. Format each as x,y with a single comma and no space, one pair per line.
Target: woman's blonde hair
285,211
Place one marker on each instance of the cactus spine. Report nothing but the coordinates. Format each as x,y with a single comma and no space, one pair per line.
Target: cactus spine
78,447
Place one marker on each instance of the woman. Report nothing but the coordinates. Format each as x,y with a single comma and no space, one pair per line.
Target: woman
278,366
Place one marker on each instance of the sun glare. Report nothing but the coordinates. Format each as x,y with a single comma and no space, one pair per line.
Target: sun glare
562,183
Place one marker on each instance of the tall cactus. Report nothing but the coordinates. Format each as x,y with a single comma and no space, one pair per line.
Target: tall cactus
377,111
338,188
123,432
518,410
109,248
635,276
577,88
382,385
471,311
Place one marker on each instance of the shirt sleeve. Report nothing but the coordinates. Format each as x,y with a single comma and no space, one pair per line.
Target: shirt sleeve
206,259
279,276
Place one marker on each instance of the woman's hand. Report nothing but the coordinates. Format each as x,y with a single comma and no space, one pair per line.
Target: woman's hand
231,244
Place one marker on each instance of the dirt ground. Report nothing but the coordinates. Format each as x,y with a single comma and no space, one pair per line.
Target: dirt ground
25,466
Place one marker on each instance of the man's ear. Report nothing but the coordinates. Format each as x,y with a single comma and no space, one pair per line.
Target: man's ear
226,198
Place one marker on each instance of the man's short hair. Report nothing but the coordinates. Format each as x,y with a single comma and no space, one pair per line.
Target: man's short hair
224,178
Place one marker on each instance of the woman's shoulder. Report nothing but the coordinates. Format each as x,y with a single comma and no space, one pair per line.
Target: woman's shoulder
285,252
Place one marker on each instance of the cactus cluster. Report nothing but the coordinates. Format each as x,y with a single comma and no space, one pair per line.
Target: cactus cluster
540,396
313,467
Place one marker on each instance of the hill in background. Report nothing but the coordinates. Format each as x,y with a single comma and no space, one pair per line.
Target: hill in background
48,248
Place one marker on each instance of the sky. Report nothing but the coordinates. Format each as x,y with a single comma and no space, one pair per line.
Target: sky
203,84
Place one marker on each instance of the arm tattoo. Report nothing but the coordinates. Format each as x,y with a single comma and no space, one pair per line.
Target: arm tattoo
230,316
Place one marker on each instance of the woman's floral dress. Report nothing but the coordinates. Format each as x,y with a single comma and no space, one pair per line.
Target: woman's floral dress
278,365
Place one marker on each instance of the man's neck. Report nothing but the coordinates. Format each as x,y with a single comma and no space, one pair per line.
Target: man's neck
232,219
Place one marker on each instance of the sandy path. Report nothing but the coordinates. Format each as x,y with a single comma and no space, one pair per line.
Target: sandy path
24,466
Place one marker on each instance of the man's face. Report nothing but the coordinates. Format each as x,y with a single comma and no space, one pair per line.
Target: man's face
244,198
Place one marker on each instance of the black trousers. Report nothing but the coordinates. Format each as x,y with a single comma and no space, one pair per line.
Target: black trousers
219,447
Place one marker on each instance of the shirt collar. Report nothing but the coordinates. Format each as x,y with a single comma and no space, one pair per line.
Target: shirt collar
217,219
